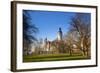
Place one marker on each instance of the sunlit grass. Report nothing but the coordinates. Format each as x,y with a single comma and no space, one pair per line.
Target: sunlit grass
53,57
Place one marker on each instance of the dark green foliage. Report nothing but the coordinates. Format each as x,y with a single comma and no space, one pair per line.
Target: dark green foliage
29,29
29,32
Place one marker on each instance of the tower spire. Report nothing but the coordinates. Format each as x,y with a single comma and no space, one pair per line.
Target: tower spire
60,34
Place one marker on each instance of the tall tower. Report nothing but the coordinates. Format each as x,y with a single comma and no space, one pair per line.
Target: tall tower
60,34
45,41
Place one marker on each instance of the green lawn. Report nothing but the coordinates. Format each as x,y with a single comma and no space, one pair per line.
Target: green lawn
53,57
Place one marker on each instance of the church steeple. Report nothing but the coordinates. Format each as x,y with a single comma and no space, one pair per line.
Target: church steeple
60,34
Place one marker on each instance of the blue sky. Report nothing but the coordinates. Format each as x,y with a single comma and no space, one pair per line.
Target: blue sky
48,23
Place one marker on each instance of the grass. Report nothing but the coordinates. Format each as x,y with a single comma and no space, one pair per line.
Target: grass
53,57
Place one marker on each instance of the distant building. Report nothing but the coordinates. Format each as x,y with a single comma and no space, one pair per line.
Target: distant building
50,47
45,46
59,35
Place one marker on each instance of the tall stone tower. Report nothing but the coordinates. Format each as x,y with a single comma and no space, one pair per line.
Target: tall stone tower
60,34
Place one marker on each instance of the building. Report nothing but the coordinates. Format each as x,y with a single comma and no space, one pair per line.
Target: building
59,35
49,46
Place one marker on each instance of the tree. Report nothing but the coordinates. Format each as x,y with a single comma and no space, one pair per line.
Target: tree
71,39
81,24
29,31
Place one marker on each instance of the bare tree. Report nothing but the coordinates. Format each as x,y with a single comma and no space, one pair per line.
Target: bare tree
71,39
82,27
